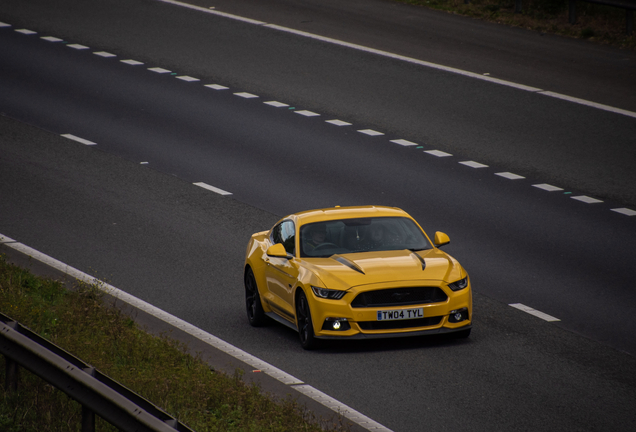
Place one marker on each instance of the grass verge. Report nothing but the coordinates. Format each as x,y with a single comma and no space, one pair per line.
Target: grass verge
595,22
157,368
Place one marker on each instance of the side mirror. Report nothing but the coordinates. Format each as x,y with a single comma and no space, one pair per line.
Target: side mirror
278,251
441,239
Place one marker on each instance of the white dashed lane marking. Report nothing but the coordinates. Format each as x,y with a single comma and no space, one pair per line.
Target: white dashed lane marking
586,199
404,142
216,86
510,176
625,211
338,122
159,70
369,132
531,311
547,187
276,104
132,62
104,54
437,153
474,164
307,113
78,139
187,78
77,46
245,95
212,188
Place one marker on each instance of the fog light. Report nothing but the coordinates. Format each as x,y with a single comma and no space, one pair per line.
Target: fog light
458,315
336,324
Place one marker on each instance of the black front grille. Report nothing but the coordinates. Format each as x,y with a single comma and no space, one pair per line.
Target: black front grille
399,297
399,324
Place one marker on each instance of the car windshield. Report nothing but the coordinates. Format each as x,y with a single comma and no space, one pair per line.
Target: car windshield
323,239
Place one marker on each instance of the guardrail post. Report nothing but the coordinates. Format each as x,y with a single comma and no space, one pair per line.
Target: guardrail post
88,420
629,17
12,375
517,6
88,416
572,14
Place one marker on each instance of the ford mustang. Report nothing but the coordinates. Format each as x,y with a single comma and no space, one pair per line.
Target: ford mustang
355,272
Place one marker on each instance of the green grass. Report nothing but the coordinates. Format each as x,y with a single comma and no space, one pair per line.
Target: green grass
157,368
595,22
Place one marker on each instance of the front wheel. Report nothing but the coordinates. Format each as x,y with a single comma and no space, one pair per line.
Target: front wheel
305,326
255,313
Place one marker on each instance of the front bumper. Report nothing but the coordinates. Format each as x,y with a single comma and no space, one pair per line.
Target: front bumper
362,323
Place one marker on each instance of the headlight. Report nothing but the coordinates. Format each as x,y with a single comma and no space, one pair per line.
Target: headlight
459,285
327,293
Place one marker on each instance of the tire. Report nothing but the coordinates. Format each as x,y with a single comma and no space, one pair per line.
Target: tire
305,325
255,314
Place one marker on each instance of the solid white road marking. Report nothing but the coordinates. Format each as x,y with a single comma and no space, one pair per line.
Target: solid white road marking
590,104
547,187
78,139
343,409
204,336
586,199
212,188
474,164
438,153
531,311
510,176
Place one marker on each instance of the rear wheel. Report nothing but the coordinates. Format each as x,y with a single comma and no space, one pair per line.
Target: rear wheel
305,326
255,313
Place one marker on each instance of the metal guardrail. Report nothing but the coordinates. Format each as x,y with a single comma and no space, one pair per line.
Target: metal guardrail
97,393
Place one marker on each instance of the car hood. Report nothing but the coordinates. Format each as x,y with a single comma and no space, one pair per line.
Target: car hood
349,270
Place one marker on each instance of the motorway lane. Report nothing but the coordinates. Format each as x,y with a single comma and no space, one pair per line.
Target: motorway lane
471,189
569,147
216,137
158,237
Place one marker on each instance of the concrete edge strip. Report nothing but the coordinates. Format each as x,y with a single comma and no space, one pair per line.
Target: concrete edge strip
408,59
202,335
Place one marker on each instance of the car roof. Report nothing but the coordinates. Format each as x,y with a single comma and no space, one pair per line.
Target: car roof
332,213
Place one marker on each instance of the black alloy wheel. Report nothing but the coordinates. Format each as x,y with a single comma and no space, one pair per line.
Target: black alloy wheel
305,325
255,313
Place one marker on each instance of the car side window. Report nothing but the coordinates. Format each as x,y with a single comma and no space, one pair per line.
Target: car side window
285,233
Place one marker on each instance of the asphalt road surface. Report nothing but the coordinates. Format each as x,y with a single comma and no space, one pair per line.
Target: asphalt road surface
125,209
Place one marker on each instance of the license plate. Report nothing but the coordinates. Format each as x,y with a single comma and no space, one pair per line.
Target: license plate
400,314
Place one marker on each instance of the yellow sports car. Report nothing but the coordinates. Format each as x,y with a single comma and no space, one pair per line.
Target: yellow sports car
355,272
